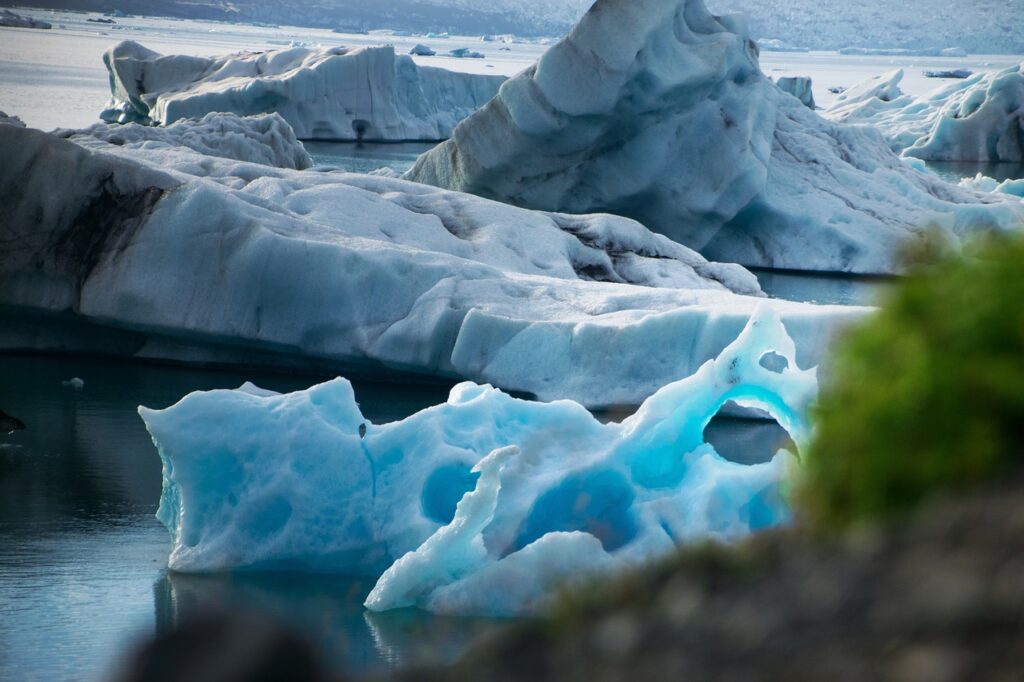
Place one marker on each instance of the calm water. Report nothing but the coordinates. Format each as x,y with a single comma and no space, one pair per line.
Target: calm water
366,157
83,560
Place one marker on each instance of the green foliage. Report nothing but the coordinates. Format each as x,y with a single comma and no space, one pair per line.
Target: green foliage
928,395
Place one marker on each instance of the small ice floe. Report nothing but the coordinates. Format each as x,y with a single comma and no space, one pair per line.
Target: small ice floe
959,74
421,50
466,53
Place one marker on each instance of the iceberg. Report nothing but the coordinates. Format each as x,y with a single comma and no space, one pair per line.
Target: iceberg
657,110
12,20
366,93
983,183
979,118
799,87
903,52
466,53
421,50
164,253
11,120
958,74
265,138
484,504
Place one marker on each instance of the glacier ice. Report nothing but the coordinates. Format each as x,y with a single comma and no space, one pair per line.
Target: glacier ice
264,138
483,504
366,93
799,87
657,110
10,19
197,258
979,118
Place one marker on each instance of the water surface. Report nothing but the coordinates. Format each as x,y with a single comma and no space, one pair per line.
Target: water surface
83,560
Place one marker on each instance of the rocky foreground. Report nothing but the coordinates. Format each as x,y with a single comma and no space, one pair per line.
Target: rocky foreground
938,598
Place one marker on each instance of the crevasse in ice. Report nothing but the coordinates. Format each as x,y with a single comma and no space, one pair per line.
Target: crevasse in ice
483,504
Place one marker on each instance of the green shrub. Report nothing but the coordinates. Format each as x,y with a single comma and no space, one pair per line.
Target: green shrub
928,395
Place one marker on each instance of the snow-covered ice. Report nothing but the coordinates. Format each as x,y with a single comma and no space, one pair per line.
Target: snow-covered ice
979,118
483,504
657,110
365,93
204,259
263,138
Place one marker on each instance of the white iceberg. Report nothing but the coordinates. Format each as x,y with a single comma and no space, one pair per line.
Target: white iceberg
483,504
366,93
201,259
264,138
978,118
657,110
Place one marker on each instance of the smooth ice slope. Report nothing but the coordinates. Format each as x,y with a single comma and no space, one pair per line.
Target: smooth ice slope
254,479
265,138
657,110
980,118
202,259
366,93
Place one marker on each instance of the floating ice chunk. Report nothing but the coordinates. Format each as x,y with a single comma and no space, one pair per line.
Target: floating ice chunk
265,139
9,18
980,118
466,53
984,183
11,120
657,110
195,258
483,504
421,50
799,87
949,73
365,93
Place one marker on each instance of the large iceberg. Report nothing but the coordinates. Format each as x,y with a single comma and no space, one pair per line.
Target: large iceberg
980,118
264,138
158,252
483,504
365,93
657,110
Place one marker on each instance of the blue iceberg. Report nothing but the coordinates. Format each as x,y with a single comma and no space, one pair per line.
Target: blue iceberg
485,504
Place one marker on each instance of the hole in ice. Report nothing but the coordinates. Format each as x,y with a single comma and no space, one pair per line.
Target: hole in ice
773,362
268,518
747,441
597,502
444,488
